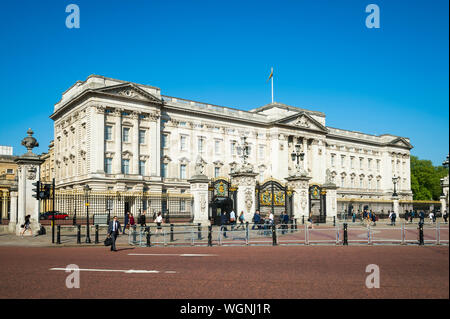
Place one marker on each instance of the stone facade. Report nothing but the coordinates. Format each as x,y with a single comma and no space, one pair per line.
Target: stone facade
118,135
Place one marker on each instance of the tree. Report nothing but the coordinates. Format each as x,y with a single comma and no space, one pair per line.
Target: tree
425,179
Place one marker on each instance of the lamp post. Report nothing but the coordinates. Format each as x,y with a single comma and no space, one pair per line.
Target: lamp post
297,155
395,180
87,190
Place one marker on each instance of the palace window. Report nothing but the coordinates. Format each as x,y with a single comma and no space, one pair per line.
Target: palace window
141,136
108,165
217,147
216,172
233,147
182,171
108,133
164,170
141,167
125,166
126,134
201,142
182,143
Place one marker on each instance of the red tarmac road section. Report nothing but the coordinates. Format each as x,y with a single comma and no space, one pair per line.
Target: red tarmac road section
226,272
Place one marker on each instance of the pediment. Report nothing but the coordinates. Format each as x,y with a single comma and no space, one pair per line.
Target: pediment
304,121
131,91
401,142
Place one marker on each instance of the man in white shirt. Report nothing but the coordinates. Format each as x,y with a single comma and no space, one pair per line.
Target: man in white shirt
232,219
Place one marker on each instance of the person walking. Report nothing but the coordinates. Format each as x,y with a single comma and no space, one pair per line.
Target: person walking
125,222
374,219
26,225
394,216
232,219
353,217
158,221
445,216
406,216
431,216
223,223
411,216
285,222
421,217
241,220
113,232
142,219
256,220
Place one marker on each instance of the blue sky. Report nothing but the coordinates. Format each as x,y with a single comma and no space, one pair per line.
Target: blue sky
389,80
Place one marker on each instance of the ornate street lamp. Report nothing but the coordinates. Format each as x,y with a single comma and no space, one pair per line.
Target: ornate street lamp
297,156
87,191
395,180
445,163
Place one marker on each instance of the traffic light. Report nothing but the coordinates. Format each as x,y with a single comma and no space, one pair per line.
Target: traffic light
46,192
37,190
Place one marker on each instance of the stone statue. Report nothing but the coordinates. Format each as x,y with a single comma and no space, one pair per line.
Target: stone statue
199,165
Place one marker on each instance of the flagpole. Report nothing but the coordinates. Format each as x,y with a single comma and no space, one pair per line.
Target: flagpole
272,85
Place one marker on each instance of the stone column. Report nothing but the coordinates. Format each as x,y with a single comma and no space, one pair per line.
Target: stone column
246,183
199,190
117,160
28,171
135,143
444,197
331,200
395,206
13,213
300,187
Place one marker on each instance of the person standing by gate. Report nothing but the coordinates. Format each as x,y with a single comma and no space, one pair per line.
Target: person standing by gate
158,222
142,219
113,232
232,219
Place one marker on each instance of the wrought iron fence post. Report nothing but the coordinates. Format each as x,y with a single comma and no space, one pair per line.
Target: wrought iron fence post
438,233
345,235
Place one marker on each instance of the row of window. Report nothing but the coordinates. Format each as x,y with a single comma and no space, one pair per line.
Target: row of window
125,134
352,162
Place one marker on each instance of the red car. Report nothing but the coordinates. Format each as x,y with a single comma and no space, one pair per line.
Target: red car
58,215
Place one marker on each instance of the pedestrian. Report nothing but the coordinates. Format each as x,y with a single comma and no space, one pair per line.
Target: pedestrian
223,223
411,216
374,219
26,225
353,217
125,222
394,216
285,222
158,221
431,216
113,232
421,217
271,221
406,216
445,216
241,220
132,222
142,219
256,220
232,219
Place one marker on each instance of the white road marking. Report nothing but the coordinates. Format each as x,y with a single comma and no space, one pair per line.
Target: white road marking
129,271
181,255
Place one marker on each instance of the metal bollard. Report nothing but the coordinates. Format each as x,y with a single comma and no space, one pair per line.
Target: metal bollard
147,229
171,232
96,234
58,235
134,234
334,220
274,235
421,234
246,233
345,235
210,236
303,219
199,233
78,234
295,224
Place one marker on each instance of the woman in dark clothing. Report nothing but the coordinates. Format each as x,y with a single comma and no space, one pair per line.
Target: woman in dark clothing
26,225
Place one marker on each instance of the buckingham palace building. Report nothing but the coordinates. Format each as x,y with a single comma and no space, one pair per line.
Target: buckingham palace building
121,137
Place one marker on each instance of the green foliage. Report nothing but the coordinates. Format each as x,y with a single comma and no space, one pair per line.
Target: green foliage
425,179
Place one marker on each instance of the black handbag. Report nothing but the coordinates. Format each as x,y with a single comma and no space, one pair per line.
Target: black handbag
108,241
